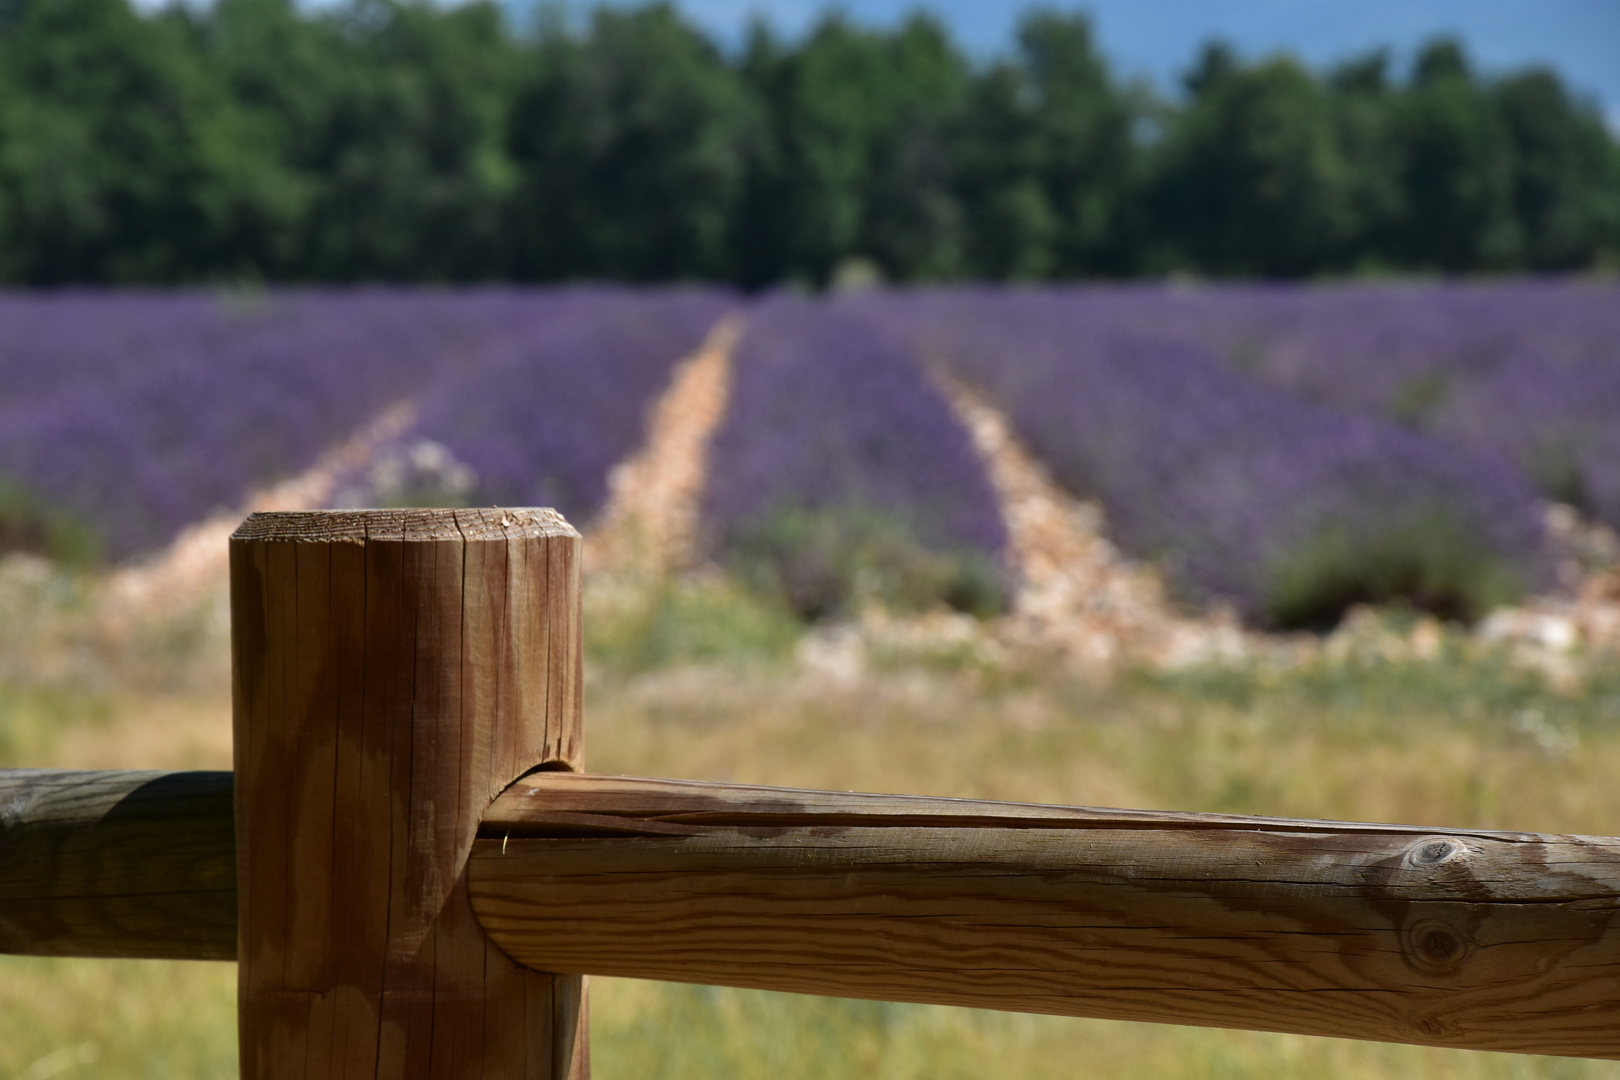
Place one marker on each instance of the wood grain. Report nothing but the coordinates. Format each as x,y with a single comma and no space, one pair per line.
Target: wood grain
131,864
1484,940
393,671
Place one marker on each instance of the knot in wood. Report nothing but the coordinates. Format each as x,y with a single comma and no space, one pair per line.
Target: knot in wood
1434,947
1431,1029
1435,851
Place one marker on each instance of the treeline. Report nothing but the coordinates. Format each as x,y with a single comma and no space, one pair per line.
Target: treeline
249,140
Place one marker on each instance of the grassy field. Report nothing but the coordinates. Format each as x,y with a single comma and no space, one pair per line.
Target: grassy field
1460,739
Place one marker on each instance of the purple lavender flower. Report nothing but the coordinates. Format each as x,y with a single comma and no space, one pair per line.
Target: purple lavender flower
1558,422
1246,494
841,472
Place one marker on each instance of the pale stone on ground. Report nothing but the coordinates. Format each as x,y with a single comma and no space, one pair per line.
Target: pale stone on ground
1562,632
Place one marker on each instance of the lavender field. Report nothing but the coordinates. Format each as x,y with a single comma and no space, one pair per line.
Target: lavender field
1285,452
1288,451
125,417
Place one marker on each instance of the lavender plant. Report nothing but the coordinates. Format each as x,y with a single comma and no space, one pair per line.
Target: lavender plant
840,474
1558,422
1289,449
1249,495
1528,370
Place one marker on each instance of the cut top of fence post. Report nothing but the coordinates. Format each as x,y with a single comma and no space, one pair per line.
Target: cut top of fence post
357,526
392,672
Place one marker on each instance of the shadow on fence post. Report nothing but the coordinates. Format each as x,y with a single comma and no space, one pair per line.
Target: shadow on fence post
393,671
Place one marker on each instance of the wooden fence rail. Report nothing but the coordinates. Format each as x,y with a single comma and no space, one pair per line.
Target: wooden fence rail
133,864
1487,940
1484,940
414,877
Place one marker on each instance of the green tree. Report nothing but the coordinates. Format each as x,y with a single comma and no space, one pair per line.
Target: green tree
410,140
278,68
1250,179
407,139
911,218
1566,173
632,144
999,155
856,162
1362,100
120,160
1082,124
1456,170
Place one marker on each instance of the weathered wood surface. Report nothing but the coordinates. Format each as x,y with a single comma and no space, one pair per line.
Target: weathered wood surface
393,672
134,864
1485,940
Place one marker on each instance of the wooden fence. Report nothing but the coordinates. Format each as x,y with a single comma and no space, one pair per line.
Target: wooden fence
414,875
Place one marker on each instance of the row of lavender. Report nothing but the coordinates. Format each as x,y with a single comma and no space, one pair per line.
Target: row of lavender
841,475
1528,370
1288,450
125,417
1248,494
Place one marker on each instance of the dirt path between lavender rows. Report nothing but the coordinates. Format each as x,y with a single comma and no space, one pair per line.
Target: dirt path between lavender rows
650,522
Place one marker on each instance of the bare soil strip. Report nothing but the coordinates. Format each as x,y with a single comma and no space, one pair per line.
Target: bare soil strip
649,525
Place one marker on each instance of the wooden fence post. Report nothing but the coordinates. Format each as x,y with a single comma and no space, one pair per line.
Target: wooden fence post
393,671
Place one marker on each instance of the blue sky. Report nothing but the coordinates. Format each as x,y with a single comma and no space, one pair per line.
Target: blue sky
1159,38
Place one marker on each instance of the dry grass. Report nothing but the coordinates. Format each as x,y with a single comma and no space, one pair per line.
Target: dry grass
1530,760
116,1019
697,1033
1456,740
